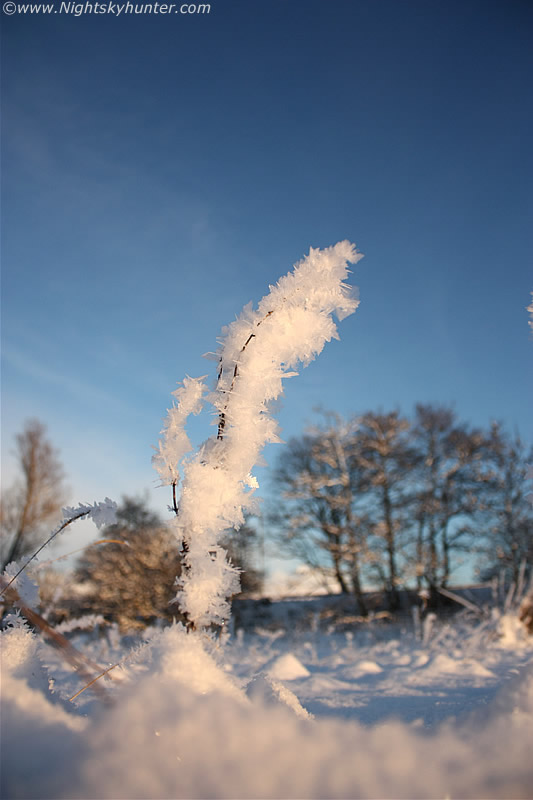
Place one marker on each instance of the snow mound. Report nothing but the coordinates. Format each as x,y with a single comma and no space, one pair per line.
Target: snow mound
19,658
288,668
180,727
173,654
160,741
403,660
512,633
369,667
462,667
421,660
362,669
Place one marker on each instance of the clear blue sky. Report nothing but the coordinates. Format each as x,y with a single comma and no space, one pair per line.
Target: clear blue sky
160,171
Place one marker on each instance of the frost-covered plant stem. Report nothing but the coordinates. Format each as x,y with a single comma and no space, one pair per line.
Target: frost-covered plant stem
262,347
101,513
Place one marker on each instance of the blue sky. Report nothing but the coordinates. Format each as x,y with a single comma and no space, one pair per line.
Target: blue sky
160,171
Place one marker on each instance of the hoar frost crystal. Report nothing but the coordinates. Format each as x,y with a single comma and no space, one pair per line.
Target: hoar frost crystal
256,352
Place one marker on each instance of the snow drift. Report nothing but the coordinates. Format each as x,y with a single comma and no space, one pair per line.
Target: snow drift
183,728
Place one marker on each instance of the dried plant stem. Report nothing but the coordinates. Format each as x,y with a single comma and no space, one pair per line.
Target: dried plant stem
81,549
174,501
93,681
81,663
52,536
222,416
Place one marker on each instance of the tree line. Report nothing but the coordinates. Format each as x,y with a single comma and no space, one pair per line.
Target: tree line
375,500
381,499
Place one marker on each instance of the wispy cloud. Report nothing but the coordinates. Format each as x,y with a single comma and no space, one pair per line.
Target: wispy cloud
29,366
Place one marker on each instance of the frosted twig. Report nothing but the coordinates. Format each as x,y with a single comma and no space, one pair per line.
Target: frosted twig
81,549
218,483
102,513
222,415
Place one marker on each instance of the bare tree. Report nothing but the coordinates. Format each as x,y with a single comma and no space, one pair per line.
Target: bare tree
33,503
382,498
510,530
319,483
453,477
387,460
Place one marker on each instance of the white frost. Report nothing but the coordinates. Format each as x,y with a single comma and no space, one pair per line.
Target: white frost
27,589
257,351
175,443
103,513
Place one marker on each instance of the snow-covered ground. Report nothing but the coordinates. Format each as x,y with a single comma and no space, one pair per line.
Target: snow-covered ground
383,711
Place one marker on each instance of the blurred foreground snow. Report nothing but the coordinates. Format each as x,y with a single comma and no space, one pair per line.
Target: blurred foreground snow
195,718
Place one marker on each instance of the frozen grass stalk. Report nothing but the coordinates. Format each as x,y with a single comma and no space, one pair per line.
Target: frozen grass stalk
289,327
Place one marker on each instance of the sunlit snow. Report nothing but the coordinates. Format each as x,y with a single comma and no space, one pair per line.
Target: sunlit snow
193,717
